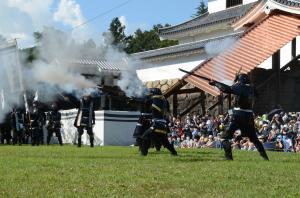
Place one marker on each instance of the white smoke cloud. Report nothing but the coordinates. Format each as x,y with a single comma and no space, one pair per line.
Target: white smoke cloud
69,12
48,76
129,81
56,74
215,47
20,18
123,21
37,10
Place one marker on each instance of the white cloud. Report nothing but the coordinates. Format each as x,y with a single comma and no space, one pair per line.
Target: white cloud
69,13
20,18
39,11
130,28
19,35
123,20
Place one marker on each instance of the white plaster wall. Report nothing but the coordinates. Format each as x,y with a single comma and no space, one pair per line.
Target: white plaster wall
248,1
166,72
119,130
267,64
298,45
219,5
216,5
107,130
285,54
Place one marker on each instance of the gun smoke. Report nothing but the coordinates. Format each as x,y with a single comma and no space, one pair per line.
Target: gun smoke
49,76
213,49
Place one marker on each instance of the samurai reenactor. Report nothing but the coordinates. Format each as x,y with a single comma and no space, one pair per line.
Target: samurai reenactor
37,120
145,118
159,125
85,119
54,124
18,125
241,115
5,130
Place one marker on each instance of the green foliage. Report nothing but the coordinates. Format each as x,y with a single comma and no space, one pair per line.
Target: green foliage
138,42
30,54
117,31
201,9
37,36
147,40
68,171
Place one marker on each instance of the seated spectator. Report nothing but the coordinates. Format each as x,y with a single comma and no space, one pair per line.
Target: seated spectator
279,144
195,132
297,146
211,143
247,145
218,141
273,133
201,142
187,131
177,143
287,144
277,120
264,131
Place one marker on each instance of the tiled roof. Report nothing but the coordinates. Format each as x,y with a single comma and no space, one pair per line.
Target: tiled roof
94,65
180,48
291,3
208,19
254,47
8,45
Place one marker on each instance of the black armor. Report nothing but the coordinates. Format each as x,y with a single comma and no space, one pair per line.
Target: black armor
5,130
85,119
159,125
37,120
18,125
54,125
241,114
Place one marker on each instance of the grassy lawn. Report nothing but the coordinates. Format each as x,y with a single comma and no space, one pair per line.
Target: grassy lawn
69,171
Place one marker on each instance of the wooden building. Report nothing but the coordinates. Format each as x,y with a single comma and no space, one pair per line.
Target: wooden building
266,44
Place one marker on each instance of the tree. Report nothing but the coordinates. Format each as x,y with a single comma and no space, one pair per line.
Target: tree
201,9
147,40
117,31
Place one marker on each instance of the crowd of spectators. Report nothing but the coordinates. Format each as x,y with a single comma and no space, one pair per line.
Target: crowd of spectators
278,132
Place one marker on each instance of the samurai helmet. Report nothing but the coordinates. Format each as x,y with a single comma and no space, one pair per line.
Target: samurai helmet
155,91
243,78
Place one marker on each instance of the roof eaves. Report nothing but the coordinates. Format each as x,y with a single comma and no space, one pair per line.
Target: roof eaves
214,18
192,46
193,19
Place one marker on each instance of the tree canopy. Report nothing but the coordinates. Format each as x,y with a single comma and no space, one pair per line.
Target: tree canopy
138,42
201,9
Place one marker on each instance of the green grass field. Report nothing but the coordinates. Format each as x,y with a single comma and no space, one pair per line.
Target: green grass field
69,171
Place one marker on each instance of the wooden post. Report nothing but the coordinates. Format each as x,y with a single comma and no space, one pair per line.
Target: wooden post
175,104
229,101
293,48
276,69
220,101
203,98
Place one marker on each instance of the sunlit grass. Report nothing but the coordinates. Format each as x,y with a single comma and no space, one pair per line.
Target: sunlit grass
68,171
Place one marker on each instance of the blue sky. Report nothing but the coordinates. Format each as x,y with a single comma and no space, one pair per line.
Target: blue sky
139,13
20,18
